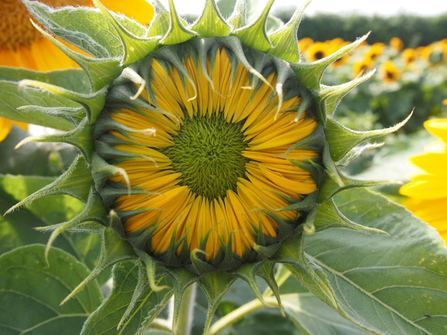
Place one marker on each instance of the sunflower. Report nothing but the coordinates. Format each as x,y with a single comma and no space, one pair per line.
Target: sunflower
304,43
361,67
317,51
427,191
207,150
389,73
21,45
375,51
409,56
397,43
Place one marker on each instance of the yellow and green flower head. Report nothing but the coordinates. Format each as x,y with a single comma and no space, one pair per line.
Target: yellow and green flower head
208,151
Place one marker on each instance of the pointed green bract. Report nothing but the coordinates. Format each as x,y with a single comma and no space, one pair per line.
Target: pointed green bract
343,139
255,35
285,40
177,33
211,23
215,285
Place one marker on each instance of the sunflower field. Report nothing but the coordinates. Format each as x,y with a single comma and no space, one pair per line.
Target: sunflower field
216,176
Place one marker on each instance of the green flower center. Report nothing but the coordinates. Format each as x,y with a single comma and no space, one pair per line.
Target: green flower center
208,153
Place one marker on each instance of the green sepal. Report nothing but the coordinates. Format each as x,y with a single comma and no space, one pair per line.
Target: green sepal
337,182
267,272
90,219
81,137
140,288
135,47
177,33
78,25
12,100
62,115
75,182
310,74
112,191
329,97
239,15
198,263
101,72
247,272
356,152
303,205
160,23
214,285
182,280
343,139
255,35
93,102
285,39
101,171
113,250
211,23
328,216
115,156
151,270
292,255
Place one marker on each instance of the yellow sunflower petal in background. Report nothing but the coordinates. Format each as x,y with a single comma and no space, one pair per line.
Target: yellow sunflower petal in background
304,43
21,45
409,55
427,192
361,67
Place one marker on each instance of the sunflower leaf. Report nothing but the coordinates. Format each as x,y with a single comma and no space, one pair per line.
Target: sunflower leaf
409,291
40,297
107,317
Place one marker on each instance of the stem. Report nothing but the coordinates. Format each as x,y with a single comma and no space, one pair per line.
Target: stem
184,323
238,314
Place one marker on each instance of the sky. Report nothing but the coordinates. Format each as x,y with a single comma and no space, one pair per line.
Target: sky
381,7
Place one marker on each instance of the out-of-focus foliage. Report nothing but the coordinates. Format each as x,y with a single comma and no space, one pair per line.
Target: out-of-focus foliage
406,78
413,30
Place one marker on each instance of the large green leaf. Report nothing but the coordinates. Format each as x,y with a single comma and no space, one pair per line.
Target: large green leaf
393,284
107,317
30,292
11,97
314,317
16,229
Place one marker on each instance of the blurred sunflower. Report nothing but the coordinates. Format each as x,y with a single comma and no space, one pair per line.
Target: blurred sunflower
427,191
375,51
389,72
361,67
397,43
343,60
317,51
304,43
21,45
409,56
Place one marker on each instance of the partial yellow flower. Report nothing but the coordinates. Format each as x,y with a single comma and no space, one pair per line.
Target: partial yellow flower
375,50
361,67
389,72
304,43
21,45
409,56
397,43
317,51
427,192
343,60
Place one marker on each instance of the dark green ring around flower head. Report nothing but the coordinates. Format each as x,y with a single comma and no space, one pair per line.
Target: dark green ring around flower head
102,177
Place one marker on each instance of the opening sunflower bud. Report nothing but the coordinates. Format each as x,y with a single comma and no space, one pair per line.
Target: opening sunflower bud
224,161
